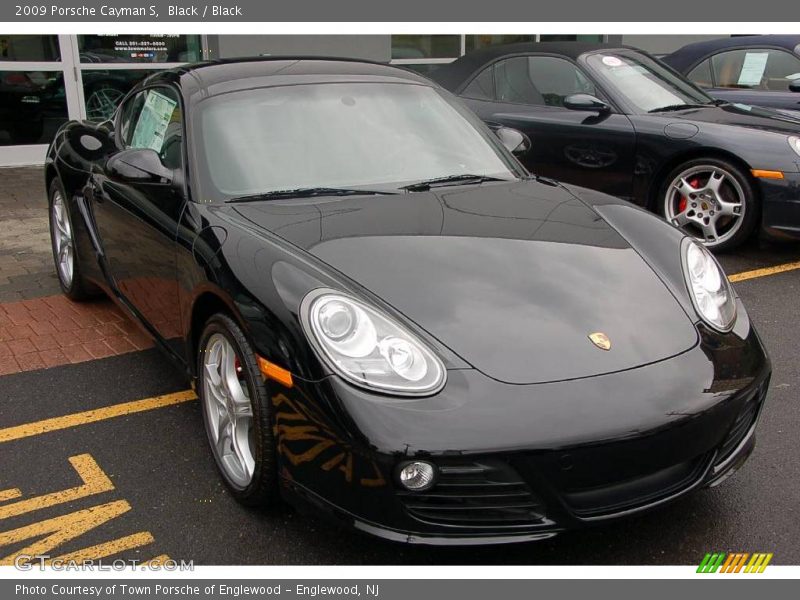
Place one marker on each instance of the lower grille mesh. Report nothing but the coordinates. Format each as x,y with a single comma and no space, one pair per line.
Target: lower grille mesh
476,494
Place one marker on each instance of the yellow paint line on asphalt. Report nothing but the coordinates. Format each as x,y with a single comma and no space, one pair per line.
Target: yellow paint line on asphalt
10,494
95,481
756,273
106,549
92,416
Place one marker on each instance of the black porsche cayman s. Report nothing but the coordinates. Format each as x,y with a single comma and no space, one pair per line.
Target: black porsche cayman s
386,317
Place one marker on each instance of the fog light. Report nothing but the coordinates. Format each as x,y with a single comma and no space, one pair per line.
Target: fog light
417,476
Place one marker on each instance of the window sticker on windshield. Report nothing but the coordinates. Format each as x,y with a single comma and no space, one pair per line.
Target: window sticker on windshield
612,61
153,121
755,63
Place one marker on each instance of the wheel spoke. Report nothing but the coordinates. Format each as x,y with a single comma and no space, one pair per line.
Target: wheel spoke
730,209
685,188
710,231
714,181
681,219
224,435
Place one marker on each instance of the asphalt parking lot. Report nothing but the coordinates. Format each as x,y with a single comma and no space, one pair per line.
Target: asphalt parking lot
103,453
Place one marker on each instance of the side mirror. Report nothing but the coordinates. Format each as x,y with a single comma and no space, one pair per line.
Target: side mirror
586,102
515,141
141,165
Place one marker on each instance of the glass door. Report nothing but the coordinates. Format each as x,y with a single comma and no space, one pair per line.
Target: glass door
38,93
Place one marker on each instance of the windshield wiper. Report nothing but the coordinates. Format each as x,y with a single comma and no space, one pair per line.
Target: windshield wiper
309,192
672,107
421,186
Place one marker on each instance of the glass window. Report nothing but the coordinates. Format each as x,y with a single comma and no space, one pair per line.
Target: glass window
474,42
339,135
34,48
701,74
426,46
139,48
482,87
645,83
152,119
33,106
571,38
761,69
539,80
104,89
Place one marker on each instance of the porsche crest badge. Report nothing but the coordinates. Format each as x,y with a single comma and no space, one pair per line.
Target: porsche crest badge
600,340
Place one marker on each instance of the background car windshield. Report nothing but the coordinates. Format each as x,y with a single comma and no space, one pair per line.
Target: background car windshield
643,82
341,135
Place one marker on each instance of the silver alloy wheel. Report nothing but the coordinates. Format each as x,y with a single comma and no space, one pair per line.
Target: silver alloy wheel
229,411
62,238
707,202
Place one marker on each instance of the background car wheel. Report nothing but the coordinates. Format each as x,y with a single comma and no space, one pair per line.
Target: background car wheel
712,200
237,412
62,239
102,102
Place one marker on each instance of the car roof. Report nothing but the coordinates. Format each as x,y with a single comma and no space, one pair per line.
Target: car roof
251,72
452,75
692,54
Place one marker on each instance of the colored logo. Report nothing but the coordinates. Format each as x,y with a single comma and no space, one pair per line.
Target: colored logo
600,340
735,562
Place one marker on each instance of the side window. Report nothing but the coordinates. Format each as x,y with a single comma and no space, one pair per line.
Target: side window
557,78
482,87
540,80
701,74
152,119
762,69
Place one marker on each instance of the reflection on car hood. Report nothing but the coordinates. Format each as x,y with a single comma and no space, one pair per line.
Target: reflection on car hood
512,277
743,115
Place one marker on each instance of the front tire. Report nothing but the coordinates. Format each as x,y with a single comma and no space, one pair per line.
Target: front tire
237,412
62,240
712,200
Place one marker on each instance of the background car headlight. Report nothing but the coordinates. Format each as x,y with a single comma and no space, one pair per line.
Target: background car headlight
367,348
709,288
794,143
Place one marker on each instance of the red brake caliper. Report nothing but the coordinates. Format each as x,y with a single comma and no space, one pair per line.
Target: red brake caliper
695,183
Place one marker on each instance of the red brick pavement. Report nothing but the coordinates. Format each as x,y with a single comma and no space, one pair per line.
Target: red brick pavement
50,331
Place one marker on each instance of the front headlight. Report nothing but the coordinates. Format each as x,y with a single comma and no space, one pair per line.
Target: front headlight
367,348
709,288
794,143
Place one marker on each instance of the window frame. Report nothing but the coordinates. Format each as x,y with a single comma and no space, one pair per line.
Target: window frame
600,91
709,57
143,87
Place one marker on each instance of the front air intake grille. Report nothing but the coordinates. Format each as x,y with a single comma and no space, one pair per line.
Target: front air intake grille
476,494
741,426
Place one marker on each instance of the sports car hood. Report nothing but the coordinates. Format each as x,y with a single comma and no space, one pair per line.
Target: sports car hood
742,115
512,277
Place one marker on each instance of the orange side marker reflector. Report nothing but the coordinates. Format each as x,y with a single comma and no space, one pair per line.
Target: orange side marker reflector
764,174
274,372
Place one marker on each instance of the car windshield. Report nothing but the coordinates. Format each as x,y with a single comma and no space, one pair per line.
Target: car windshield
646,84
340,135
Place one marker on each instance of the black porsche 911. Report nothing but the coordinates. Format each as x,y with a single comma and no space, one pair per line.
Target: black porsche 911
619,121
388,319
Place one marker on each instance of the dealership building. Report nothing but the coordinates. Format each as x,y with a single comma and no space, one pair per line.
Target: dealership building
48,79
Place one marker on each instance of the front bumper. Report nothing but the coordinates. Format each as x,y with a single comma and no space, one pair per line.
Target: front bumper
573,454
780,214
